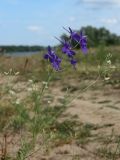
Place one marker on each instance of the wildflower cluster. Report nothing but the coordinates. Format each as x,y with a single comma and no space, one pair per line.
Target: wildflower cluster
67,49
53,58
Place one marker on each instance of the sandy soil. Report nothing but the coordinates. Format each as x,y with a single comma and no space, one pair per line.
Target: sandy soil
99,107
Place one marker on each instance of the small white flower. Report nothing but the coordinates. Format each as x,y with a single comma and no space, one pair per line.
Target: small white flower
17,73
34,87
109,62
17,101
30,81
46,87
45,83
12,92
49,102
6,73
107,78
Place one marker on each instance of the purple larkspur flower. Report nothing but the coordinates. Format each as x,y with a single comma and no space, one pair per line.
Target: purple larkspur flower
69,52
67,49
80,38
83,42
73,62
53,58
74,35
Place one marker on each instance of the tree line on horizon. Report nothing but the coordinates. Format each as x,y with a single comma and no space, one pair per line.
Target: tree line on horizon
20,48
95,36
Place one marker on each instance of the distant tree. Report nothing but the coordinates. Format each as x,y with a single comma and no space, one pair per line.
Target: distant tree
97,36
21,48
64,37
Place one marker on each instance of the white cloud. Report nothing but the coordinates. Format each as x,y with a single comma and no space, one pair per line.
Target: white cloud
34,28
100,3
110,20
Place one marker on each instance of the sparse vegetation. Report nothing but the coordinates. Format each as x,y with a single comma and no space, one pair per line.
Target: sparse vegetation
38,125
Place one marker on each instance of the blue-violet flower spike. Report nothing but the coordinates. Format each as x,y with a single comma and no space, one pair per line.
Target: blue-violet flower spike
73,62
83,43
80,38
53,58
67,49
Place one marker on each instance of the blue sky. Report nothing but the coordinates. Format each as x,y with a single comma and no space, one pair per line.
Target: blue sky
36,22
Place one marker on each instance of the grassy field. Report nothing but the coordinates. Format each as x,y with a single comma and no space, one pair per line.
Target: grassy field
73,115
